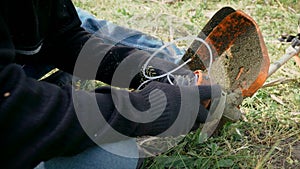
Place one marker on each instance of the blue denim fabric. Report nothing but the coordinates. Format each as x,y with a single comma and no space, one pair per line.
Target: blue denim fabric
98,158
114,34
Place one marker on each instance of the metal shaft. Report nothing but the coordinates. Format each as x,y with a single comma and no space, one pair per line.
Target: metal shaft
289,53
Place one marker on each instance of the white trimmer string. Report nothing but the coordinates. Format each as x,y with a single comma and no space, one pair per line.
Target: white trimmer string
169,73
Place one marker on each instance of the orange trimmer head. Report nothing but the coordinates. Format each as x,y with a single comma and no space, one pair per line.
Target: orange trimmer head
240,59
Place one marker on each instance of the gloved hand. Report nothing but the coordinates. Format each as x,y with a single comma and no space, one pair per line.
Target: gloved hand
127,63
165,110
140,78
182,77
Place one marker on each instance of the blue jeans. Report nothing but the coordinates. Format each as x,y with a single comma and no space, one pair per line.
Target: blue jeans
102,157
98,158
114,34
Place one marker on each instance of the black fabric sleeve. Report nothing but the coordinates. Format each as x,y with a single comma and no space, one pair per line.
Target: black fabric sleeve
7,52
37,120
92,50
69,39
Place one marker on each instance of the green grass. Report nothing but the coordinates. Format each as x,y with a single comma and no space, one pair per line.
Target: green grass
268,136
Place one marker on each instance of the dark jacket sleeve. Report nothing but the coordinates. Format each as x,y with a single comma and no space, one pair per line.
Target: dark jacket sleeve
79,48
68,41
37,120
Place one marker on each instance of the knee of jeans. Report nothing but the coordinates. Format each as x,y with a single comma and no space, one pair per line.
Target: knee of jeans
114,156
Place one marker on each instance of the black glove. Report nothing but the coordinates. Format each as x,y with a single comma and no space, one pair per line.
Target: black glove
133,61
182,77
139,81
173,109
182,106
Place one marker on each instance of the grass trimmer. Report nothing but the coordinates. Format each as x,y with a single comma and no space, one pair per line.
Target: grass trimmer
240,63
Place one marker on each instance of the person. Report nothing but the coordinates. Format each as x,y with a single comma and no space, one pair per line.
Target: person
42,120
